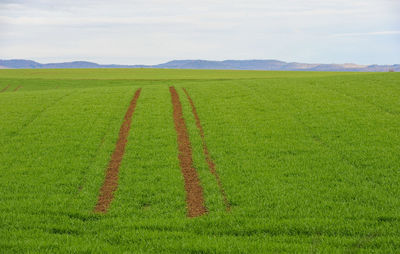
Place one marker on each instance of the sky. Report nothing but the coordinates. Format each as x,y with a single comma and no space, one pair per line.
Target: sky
156,31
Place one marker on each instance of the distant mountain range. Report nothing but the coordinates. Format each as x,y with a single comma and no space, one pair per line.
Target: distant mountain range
270,65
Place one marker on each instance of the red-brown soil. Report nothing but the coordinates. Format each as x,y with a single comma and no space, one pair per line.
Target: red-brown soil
17,88
4,89
194,191
207,155
111,179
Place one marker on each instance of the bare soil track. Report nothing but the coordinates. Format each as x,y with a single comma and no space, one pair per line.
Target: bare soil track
194,191
17,88
210,162
4,89
111,179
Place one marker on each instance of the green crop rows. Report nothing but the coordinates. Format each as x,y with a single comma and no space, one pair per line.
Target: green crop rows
310,161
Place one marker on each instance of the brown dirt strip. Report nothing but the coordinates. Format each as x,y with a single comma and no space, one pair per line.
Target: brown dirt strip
17,88
4,89
210,162
194,191
111,179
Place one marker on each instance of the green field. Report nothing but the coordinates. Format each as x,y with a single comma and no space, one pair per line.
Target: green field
309,161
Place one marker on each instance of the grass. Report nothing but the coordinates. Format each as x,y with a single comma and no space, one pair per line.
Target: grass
309,162
157,74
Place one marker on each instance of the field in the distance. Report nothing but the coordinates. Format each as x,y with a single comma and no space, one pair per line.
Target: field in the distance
281,161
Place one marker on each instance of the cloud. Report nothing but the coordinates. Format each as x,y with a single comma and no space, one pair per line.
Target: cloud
142,31
367,34
62,21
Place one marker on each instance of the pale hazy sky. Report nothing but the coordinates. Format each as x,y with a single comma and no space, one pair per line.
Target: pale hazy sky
154,31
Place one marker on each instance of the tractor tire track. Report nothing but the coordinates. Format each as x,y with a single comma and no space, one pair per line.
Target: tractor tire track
207,156
315,137
4,89
17,88
37,116
91,162
194,191
111,179
14,135
365,101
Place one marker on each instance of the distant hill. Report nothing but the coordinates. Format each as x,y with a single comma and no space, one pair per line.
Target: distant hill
271,65
29,64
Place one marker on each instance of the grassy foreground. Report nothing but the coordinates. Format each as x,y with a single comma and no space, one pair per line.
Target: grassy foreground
309,161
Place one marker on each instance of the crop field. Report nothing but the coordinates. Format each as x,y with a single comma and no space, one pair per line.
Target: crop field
195,161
